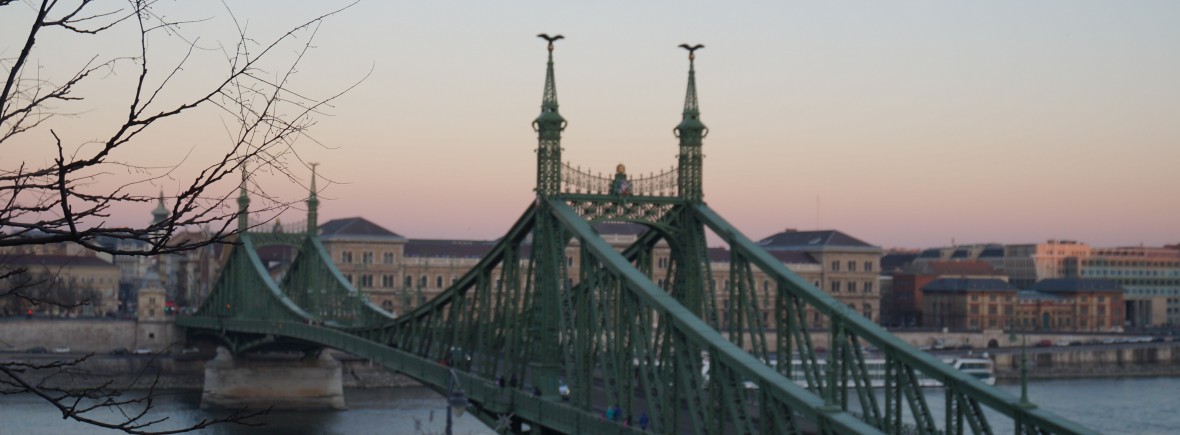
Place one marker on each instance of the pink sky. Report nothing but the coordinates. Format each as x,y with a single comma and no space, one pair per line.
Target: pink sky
912,123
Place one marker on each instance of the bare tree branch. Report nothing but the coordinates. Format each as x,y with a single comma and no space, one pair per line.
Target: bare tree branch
71,194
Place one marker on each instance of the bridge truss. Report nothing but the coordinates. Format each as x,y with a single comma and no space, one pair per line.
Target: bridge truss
529,318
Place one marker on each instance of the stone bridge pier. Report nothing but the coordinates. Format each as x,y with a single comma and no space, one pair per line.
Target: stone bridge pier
313,383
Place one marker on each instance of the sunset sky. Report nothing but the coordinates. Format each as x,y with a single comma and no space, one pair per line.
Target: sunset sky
905,124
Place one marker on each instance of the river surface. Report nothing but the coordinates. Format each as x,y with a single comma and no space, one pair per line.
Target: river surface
1113,406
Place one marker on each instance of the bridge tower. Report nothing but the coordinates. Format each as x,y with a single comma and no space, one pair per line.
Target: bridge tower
548,242
689,250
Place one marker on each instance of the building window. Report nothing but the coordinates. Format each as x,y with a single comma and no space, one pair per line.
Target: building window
852,286
409,281
367,257
438,282
348,277
346,257
835,286
868,311
851,266
387,281
868,266
835,266
387,258
366,281
868,287
422,281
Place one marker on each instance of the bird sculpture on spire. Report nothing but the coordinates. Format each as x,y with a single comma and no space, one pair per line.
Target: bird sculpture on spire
692,50
546,37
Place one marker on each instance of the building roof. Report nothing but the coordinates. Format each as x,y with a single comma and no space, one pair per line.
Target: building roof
931,253
814,241
56,261
1032,295
721,255
436,248
960,268
1074,285
896,261
356,228
992,251
968,284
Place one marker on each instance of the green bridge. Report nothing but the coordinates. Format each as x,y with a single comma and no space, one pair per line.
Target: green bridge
606,329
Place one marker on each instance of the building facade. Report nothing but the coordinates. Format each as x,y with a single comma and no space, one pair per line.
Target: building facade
848,267
1087,305
1027,264
968,303
1150,276
67,285
904,305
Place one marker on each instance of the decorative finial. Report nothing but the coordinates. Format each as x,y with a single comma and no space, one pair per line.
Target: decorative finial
546,37
691,131
692,55
548,126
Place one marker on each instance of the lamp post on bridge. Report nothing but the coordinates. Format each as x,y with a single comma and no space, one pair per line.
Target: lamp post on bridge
456,399
1024,402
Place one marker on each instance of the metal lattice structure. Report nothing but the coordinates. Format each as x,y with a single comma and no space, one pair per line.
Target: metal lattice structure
526,319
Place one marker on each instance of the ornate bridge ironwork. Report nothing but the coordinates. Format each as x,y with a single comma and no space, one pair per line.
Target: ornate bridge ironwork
525,320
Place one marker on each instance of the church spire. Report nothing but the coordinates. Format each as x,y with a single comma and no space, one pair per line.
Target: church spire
691,131
161,212
313,204
548,126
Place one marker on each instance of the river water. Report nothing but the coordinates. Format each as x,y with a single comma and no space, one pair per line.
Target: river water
1113,406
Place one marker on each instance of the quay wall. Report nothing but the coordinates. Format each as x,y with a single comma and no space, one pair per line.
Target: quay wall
1154,359
86,335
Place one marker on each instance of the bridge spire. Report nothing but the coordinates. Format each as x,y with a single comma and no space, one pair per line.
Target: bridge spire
548,126
313,204
548,244
243,204
690,131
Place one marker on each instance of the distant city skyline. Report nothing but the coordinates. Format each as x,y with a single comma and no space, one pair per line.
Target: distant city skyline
904,124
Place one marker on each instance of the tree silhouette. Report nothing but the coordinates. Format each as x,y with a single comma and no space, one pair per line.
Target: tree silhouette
70,188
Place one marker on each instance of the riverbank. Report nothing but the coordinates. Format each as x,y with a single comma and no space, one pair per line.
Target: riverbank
184,372
187,372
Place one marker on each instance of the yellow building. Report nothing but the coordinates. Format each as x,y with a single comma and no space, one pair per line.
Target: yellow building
847,267
73,285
